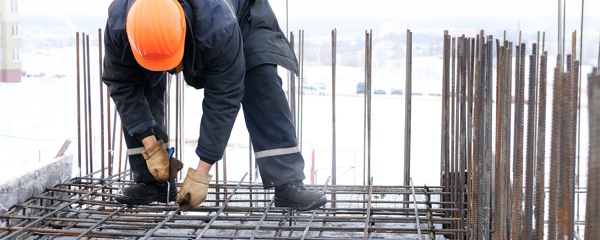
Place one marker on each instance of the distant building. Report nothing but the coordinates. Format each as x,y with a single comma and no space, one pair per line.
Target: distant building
10,41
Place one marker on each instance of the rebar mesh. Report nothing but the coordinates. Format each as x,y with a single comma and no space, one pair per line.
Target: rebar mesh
100,216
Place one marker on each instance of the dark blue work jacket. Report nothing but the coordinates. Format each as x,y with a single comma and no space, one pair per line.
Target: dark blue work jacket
224,38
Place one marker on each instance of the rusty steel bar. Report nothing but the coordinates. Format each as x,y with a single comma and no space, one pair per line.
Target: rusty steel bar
445,116
89,83
554,157
416,209
365,109
517,189
368,93
121,146
574,157
429,214
463,139
471,49
333,140
101,221
499,143
299,86
506,206
368,218
110,146
489,142
565,156
85,104
453,130
541,152
78,106
262,219
221,209
529,181
592,228
407,108
302,92
161,224
101,103
477,149
312,217
292,94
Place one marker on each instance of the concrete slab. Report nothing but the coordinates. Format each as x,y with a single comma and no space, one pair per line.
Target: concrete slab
33,180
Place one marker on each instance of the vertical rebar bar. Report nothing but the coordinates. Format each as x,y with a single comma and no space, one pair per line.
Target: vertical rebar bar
578,143
592,228
78,107
407,109
333,141
517,189
470,168
506,144
445,118
369,104
292,95
85,104
445,114
528,220
101,103
120,145
463,139
499,132
564,227
299,87
302,92
554,157
479,143
540,175
560,51
572,166
453,132
470,85
489,142
365,109
89,83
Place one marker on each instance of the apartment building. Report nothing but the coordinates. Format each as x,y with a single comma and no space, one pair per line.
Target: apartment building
10,41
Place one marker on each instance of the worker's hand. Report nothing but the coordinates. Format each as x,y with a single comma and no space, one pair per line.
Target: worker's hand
196,185
159,164
174,166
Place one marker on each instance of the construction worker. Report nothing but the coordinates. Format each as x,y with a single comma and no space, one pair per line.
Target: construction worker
231,48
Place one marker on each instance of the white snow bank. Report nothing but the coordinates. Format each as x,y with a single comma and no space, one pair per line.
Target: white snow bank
17,183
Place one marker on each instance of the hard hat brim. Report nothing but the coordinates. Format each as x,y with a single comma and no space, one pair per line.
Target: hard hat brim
160,64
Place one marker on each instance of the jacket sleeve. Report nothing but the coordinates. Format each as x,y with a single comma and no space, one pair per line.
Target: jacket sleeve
224,69
126,82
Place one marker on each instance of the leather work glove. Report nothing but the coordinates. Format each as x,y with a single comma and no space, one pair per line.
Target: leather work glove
160,165
194,190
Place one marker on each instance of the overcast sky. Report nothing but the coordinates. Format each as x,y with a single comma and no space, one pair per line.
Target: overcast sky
302,9
322,15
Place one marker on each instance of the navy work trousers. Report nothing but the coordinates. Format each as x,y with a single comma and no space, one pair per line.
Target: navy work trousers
268,120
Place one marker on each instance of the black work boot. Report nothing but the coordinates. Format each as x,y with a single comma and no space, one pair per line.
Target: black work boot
296,196
144,193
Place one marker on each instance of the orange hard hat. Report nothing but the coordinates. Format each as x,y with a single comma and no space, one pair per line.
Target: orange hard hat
156,32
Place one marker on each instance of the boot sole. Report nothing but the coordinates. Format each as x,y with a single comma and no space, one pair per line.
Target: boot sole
122,199
312,206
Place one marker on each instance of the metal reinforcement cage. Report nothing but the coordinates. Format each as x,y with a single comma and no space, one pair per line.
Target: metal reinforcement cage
85,208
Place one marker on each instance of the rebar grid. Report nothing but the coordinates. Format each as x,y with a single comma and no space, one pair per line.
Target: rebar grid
359,212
